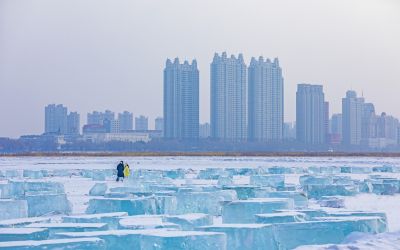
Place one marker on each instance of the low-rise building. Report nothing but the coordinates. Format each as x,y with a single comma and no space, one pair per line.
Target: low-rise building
123,137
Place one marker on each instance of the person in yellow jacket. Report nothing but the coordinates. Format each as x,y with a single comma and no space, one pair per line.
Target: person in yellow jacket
127,171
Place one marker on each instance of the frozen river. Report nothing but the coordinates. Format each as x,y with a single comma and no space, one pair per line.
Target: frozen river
51,163
216,194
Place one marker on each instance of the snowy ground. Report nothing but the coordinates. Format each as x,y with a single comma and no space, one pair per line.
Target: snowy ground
77,187
356,241
390,204
188,162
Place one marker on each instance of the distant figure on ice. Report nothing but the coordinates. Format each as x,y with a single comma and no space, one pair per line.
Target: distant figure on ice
120,171
127,171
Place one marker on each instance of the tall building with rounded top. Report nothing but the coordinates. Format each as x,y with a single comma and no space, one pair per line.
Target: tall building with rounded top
265,100
228,98
181,100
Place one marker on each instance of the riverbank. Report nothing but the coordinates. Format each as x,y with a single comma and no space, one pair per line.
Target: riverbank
206,154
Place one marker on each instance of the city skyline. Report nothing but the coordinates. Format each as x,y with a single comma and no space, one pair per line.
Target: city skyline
91,60
358,124
358,127
152,120
199,124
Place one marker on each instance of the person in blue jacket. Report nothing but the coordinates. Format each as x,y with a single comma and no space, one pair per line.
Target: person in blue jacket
120,171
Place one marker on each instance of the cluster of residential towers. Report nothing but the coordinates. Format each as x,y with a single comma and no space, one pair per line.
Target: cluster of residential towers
58,120
247,104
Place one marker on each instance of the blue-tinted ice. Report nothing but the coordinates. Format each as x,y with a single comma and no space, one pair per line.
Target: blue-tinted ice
276,207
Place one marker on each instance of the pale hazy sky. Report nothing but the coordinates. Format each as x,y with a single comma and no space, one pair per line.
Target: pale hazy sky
97,54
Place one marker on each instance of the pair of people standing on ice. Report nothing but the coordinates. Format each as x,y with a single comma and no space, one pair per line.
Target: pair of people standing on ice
123,171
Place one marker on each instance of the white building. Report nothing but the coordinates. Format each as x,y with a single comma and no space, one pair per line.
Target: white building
123,137
204,130
115,126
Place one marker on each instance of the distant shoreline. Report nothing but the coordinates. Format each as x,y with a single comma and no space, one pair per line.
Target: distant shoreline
203,154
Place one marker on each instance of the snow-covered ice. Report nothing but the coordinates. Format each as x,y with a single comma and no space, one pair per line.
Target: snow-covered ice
145,222
113,239
185,240
190,221
200,203
21,222
244,211
111,219
245,236
384,241
13,234
78,244
280,217
69,227
10,209
99,189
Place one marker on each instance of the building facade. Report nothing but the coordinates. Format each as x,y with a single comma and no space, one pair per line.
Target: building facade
99,117
141,123
265,100
125,121
114,137
228,98
115,126
73,123
181,100
387,129
205,130
326,122
289,131
56,119
368,123
336,129
310,114
159,124
352,112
